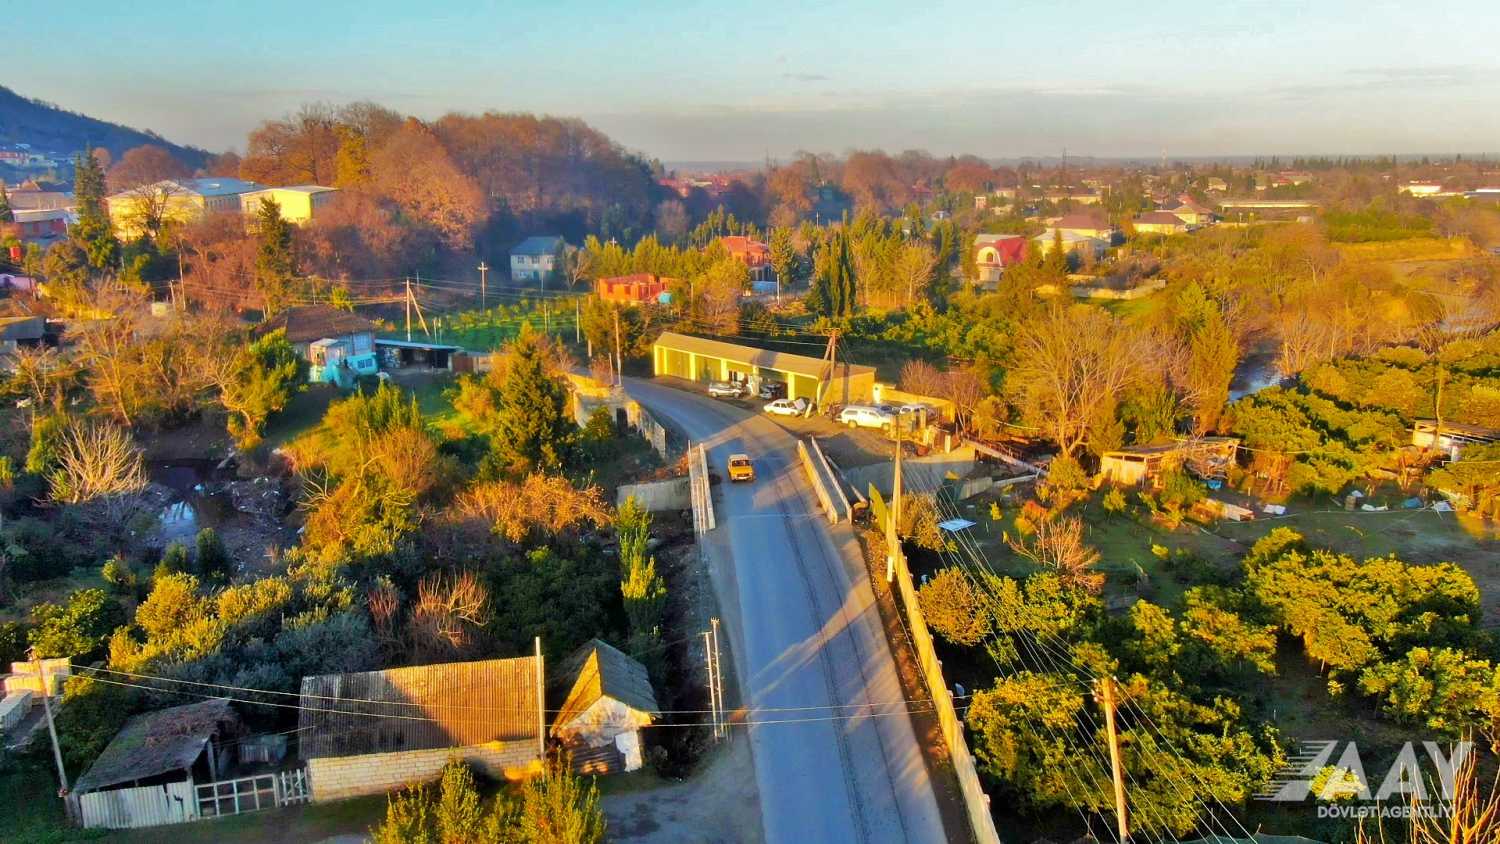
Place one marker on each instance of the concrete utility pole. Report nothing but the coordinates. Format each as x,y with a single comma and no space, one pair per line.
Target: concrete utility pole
62,772
1107,696
719,677
577,322
408,310
619,359
484,269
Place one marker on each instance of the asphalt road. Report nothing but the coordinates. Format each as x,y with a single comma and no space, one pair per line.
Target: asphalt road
806,633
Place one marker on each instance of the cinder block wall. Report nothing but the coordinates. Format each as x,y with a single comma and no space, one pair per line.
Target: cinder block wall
335,778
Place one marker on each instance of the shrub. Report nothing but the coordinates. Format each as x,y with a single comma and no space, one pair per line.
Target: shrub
77,629
953,607
1114,501
118,574
213,558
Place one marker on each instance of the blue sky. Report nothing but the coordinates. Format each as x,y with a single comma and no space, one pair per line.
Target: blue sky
708,81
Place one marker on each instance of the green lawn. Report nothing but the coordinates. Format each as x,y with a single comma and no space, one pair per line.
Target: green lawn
309,823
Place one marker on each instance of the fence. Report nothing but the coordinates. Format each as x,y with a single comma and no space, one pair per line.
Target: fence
247,794
134,808
837,496
976,802
820,487
703,501
654,432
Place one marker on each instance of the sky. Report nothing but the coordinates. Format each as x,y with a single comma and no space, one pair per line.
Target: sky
700,81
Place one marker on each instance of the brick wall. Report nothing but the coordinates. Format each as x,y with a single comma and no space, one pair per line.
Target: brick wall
335,778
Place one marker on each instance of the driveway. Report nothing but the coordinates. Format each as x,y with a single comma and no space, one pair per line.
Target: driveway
843,764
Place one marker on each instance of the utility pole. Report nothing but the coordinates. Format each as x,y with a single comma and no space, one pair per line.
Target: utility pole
408,310
577,322
713,695
484,269
719,677
62,773
1107,693
619,360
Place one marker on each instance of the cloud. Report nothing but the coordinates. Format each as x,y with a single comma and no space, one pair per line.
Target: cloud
1392,78
805,77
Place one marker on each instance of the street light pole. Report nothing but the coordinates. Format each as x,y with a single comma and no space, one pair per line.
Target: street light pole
484,268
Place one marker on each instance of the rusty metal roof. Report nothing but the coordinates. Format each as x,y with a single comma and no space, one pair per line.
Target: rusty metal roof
453,704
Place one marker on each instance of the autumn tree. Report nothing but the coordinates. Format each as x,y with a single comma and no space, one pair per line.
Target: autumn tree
414,170
144,165
1071,366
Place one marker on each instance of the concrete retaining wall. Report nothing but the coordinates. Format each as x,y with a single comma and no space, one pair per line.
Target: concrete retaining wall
919,474
659,496
335,778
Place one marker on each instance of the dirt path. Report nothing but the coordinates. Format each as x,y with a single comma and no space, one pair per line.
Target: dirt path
712,806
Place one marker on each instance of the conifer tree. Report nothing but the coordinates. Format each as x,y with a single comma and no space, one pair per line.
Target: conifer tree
92,233
273,259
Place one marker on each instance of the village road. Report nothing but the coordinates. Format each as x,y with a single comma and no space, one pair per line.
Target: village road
836,758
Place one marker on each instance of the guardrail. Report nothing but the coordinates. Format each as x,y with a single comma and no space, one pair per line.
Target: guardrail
833,479
814,477
702,492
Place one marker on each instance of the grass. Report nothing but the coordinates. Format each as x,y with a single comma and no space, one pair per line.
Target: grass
312,822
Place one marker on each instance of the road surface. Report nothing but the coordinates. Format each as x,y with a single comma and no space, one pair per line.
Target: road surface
806,633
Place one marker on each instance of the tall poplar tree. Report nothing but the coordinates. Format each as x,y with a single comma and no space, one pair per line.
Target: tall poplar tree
6,215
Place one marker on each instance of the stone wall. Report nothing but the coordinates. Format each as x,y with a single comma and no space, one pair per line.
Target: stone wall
338,777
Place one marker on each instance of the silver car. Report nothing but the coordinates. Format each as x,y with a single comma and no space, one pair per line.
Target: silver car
726,389
865,416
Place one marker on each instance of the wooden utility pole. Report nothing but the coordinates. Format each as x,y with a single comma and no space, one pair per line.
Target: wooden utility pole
1107,698
62,772
484,269
619,359
825,375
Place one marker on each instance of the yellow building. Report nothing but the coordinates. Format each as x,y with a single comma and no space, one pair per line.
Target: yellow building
146,209
299,203
703,360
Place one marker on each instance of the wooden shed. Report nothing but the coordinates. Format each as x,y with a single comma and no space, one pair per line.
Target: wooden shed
606,700
1206,457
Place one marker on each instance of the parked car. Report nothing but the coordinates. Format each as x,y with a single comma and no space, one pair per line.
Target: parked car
773,390
787,407
740,468
726,389
864,416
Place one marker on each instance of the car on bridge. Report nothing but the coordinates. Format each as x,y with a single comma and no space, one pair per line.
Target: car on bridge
740,468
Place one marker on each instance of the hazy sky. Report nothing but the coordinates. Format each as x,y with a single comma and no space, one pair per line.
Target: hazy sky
708,81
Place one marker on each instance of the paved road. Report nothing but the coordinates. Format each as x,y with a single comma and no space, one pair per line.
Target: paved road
806,633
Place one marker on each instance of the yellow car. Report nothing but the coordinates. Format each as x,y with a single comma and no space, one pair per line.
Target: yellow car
740,468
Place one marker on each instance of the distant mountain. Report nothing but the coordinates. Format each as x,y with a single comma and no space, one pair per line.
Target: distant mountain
51,129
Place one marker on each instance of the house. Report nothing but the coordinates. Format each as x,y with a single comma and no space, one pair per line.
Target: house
1085,225
1421,189
636,289
1215,184
19,331
994,252
702,360
535,258
1072,242
175,200
148,773
43,227
1191,211
1159,222
752,253
1206,457
358,733
604,700
29,196
299,203
339,345
1454,437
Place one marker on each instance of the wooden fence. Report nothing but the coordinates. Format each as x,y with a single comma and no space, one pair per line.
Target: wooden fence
133,808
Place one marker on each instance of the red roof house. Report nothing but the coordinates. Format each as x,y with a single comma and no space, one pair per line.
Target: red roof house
636,289
994,252
753,252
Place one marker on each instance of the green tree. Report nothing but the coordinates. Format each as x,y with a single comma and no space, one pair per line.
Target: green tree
786,261
274,268
643,590
954,608
6,214
92,233
1442,689
1474,478
213,560
261,378
534,429
560,807
79,628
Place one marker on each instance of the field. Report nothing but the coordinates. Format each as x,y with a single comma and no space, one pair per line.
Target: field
485,330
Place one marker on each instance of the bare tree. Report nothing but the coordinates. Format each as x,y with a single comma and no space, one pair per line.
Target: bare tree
449,615
1057,544
1072,364
96,460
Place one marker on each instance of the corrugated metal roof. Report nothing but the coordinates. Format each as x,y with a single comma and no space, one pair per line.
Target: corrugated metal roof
454,704
786,362
158,743
598,670
307,323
